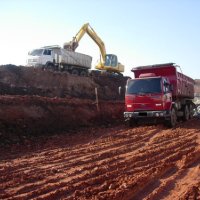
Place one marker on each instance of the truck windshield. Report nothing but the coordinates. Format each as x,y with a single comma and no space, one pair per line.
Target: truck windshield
144,86
36,52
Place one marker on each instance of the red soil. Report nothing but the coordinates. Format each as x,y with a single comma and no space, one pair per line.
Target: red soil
148,162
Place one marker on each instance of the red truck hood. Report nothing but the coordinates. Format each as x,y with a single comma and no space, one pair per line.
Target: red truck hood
143,102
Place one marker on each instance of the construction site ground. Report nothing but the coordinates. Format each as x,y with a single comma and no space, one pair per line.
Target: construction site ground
58,142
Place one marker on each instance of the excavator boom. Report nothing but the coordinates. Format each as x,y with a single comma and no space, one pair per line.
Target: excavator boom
108,62
86,28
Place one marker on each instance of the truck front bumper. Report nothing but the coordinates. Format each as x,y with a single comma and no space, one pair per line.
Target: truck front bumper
146,114
35,65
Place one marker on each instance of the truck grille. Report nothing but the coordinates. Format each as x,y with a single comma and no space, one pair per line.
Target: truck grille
143,114
32,60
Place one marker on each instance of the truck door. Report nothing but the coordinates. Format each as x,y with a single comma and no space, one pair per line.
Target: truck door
47,56
167,100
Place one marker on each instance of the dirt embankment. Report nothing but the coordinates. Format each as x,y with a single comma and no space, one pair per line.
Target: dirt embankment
26,116
34,101
19,80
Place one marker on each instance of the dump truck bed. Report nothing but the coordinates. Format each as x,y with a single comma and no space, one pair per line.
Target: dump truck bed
183,86
76,59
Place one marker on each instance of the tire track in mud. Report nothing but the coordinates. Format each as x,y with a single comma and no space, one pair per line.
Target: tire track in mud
137,163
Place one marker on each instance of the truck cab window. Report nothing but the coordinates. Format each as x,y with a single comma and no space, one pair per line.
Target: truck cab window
166,86
144,86
47,52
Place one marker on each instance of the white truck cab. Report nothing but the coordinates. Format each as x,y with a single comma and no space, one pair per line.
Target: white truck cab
43,57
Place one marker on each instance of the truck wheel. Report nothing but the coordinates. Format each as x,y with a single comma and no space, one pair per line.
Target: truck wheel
191,110
50,66
83,73
173,119
186,113
75,72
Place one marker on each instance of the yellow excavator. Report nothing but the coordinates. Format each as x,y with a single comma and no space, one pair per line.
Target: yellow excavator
108,62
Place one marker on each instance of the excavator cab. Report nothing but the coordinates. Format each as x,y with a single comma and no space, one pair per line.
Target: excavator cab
111,60
111,64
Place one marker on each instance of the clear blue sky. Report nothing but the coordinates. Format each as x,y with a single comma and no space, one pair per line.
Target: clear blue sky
140,32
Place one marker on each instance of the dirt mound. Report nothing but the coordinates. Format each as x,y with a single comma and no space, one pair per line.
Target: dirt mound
19,80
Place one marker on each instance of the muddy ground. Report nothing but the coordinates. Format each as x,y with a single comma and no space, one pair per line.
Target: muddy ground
57,141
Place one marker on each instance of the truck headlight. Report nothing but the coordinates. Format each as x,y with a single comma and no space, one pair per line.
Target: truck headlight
127,115
161,114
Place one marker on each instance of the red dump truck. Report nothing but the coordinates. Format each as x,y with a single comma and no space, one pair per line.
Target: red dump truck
159,92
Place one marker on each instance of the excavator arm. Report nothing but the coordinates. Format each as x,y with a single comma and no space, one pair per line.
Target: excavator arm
86,28
108,62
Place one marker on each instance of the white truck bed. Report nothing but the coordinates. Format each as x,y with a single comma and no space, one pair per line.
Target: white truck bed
76,59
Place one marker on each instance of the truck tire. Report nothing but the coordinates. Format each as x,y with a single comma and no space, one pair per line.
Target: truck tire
186,113
50,66
75,72
173,119
191,110
83,73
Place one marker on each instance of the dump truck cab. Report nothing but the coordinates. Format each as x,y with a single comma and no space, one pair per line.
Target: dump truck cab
148,97
160,93
44,56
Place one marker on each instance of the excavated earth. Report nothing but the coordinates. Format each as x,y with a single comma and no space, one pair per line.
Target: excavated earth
58,142
37,102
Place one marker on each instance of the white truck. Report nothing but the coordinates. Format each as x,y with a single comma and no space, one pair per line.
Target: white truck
57,58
